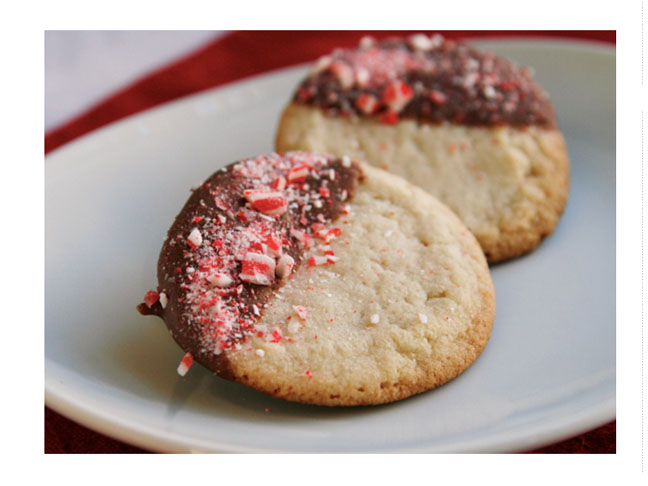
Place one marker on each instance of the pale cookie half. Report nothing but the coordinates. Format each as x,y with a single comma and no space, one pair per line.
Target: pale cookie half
389,297
470,128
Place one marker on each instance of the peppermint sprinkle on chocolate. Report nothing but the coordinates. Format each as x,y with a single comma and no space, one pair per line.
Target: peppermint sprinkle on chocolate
428,79
236,242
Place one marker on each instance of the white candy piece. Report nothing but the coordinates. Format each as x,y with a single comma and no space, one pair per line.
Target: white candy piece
317,260
423,318
293,327
375,319
285,265
220,280
489,92
164,300
195,238
362,77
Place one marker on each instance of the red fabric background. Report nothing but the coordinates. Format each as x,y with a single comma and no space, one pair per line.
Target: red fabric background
238,55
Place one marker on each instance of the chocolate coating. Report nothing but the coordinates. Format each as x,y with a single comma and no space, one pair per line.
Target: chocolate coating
205,319
449,80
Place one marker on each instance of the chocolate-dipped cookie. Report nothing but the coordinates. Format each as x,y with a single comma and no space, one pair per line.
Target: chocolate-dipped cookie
322,280
471,128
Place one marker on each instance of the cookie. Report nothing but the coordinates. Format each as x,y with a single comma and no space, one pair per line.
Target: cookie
322,280
469,127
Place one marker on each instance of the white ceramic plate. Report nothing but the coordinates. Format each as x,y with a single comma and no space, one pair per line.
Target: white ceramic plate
548,372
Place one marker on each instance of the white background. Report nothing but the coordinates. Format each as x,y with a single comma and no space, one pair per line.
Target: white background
23,243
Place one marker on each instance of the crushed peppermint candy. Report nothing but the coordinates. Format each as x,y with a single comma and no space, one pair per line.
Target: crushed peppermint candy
298,174
185,364
195,238
220,280
267,202
151,297
367,104
374,319
258,268
238,240
426,78
301,311
285,265
396,95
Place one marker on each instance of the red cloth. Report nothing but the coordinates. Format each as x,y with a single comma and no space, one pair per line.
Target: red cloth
238,55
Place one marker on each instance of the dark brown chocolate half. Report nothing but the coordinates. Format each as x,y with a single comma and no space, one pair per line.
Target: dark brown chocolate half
228,232
431,80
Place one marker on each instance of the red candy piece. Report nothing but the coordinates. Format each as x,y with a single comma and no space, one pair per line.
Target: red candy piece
258,269
151,297
273,244
396,95
279,183
368,104
298,173
270,203
276,335
185,364
388,118
317,260
437,97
